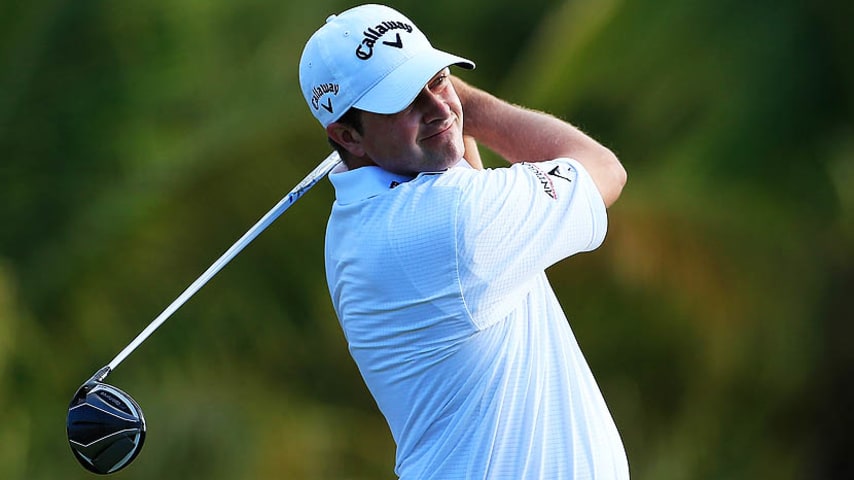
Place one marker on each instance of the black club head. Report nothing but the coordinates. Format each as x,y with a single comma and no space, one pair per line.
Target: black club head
106,428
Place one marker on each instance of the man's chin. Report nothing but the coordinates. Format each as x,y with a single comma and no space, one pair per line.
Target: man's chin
447,159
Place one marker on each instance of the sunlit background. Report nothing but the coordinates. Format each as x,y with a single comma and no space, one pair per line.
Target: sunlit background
139,139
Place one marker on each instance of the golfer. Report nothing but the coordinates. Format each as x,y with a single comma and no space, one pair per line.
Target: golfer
436,266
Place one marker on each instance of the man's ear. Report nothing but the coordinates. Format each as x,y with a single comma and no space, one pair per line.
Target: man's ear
346,136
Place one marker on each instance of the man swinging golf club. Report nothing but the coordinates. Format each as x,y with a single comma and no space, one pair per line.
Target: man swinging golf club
436,267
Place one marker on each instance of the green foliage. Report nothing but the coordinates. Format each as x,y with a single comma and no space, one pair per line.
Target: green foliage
139,139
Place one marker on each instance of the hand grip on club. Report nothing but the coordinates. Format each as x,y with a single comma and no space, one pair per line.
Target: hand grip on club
309,181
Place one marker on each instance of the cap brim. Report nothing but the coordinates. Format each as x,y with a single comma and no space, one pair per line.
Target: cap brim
400,87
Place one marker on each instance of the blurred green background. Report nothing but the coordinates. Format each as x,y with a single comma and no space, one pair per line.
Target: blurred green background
139,139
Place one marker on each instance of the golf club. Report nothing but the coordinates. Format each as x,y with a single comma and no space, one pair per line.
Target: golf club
105,426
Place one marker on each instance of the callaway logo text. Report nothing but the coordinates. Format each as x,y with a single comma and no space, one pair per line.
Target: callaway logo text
366,49
319,91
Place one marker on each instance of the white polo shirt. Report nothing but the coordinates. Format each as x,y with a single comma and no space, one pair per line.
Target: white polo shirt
439,284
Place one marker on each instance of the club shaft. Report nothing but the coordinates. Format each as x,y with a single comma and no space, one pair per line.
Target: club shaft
309,181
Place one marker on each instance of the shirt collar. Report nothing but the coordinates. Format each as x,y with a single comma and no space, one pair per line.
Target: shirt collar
365,182
362,183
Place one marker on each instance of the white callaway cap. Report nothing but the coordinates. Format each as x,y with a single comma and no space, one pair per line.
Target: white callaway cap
370,57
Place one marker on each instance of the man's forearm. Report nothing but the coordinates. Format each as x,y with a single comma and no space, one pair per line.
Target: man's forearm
472,154
522,135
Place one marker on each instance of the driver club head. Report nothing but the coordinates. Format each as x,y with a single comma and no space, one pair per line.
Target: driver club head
106,428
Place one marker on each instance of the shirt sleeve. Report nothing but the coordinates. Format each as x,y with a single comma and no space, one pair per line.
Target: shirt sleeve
515,222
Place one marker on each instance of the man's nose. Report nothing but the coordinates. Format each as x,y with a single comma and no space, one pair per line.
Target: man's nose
433,106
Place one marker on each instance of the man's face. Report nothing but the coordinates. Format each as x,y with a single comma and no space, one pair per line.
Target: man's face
426,136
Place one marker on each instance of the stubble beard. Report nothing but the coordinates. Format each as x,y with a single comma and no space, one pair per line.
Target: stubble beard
444,156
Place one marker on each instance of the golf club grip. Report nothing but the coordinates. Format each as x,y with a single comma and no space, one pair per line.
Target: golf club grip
309,181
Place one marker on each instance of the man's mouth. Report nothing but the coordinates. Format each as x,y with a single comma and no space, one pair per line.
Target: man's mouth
439,131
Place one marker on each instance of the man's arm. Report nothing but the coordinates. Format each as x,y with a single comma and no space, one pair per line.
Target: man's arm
522,135
472,154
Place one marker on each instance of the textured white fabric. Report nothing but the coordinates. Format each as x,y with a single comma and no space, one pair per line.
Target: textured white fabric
440,289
